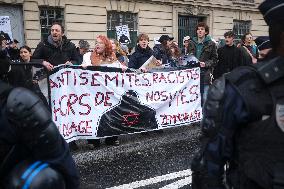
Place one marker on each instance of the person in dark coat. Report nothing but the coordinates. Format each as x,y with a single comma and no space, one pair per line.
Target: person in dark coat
242,125
56,49
21,74
162,51
230,56
264,47
205,50
33,154
142,52
13,50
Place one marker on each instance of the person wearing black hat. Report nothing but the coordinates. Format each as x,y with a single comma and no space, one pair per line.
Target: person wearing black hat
243,123
264,47
162,51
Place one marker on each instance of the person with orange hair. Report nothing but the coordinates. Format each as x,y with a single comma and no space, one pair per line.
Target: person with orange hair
102,54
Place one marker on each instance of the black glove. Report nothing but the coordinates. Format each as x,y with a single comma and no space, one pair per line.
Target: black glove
200,177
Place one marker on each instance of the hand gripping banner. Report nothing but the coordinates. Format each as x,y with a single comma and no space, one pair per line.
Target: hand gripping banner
106,102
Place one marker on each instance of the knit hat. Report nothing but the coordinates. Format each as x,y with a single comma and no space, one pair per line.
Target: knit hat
84,44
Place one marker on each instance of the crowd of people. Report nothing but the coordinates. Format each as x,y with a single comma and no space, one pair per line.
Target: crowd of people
214,60
238,96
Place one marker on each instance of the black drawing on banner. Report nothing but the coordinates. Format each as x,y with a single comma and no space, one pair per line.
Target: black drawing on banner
128,116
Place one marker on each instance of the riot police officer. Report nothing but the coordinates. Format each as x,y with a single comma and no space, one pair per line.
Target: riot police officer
33,154
248,134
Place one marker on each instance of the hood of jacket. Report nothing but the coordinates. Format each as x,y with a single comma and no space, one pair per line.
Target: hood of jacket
50,42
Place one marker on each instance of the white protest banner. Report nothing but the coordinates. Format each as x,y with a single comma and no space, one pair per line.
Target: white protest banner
5,28
122,33
91,104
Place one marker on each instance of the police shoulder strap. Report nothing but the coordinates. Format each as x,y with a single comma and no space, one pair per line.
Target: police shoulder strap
271,70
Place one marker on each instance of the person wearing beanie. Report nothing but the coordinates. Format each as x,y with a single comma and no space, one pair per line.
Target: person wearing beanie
264,47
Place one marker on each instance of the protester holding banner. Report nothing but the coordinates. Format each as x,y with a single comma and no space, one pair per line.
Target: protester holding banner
102,54
56,49
142,52
22,75
162,51
119,53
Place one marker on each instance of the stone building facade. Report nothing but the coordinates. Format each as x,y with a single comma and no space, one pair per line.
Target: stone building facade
85,19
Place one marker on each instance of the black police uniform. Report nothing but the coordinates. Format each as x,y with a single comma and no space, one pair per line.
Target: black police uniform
33,154
249,132
243,124
28,133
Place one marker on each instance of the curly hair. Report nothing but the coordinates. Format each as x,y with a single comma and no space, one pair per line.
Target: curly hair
108,47
176,52
203,25
107,56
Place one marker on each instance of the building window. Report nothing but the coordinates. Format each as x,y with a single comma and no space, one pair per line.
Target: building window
122,18
187,26
47,16
241,27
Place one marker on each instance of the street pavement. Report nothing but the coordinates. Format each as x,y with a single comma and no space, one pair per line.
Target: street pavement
145,161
